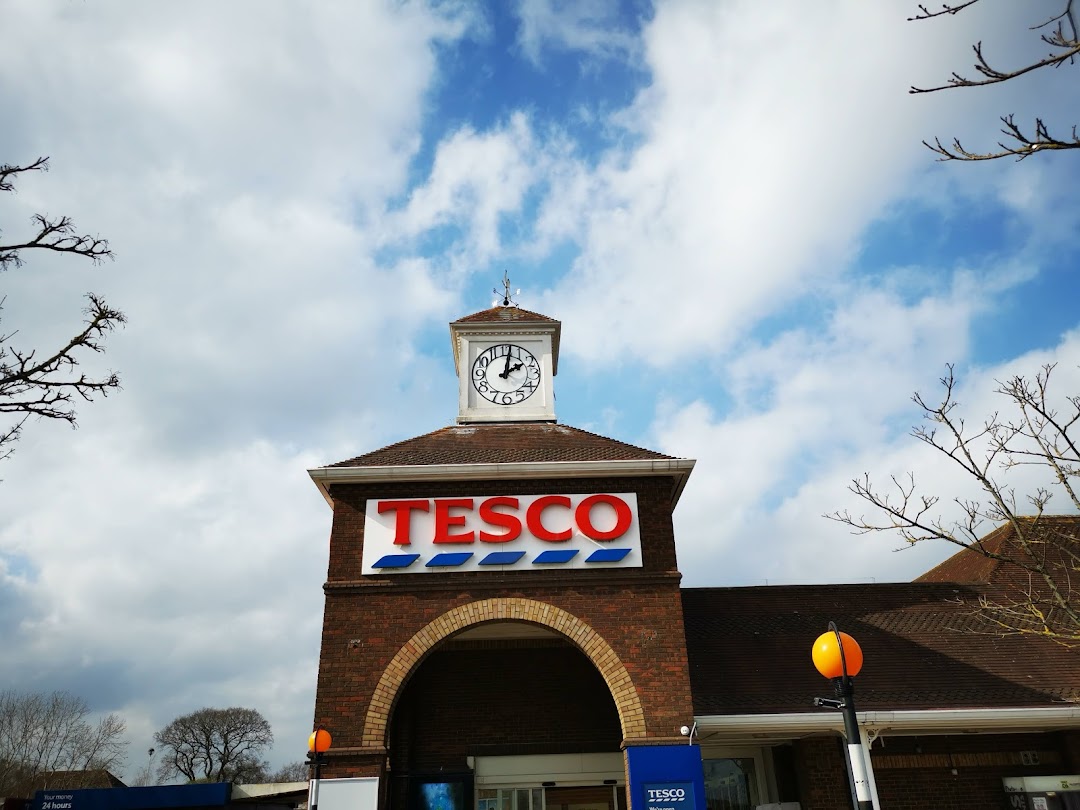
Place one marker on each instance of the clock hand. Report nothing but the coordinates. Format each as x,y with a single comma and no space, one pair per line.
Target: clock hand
514,368
506,368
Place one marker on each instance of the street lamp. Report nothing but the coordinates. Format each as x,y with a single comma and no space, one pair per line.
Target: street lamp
318,744
838,657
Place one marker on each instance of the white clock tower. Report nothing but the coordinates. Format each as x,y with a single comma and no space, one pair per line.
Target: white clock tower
505,359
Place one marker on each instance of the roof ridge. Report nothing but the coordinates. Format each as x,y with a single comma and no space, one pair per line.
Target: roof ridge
503,443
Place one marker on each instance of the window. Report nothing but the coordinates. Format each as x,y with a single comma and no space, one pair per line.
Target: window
510,799
731,784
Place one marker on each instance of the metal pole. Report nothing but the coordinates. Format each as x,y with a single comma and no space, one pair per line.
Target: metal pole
845,690
313,796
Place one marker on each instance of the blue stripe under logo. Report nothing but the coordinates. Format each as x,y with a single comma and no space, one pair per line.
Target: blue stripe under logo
456,558
563,555
502,558
607,555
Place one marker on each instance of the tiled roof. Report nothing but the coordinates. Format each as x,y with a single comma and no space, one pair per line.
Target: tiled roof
749,650
971,566
69,780
499,314
502,443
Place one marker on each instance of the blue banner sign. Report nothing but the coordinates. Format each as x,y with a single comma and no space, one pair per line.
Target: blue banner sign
666,777
217,794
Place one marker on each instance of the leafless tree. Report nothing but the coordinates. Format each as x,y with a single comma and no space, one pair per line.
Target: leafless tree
40,733
47,383
218,745
1041,551
1060,33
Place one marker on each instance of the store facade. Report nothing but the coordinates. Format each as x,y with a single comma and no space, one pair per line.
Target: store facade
504,626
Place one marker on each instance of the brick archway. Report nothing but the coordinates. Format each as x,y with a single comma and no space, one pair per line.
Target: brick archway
615,675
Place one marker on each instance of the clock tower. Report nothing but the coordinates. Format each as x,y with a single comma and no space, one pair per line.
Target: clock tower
503,625
505,359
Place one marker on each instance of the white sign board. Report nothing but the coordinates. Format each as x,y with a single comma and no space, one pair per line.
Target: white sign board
348,794
501,533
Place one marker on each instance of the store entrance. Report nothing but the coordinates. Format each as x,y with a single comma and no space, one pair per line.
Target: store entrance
506,692
599,797
594,797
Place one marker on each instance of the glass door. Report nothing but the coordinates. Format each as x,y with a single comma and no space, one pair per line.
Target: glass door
593,797
531,798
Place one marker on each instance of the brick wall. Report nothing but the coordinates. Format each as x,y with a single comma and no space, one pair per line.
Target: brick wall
1070,743
501,698
916,773
627,621
821,774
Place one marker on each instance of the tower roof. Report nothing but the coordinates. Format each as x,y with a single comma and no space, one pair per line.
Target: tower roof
504,450
505,313
502,443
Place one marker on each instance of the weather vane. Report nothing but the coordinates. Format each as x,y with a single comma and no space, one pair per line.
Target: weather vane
507,301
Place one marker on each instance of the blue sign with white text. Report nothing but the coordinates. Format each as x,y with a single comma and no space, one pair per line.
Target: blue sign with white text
666,777
215,794
669,795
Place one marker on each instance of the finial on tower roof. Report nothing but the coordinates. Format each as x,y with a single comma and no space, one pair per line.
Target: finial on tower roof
507,301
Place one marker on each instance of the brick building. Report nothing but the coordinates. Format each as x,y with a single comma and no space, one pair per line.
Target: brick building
504,627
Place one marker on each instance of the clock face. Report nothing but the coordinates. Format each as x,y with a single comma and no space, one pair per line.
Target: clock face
505,374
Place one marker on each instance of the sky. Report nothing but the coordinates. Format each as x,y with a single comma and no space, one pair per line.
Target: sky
727,204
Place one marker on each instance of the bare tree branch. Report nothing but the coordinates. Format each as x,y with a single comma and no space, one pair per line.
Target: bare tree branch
1025,146
40,733
46,384
1065,45
925,13
1043,551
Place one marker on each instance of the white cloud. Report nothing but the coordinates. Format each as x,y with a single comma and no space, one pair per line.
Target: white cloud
814,412
759,163
477,179
180,559
589,26
168,554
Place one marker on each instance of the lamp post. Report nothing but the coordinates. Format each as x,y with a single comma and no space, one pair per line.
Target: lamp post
838,657
318,745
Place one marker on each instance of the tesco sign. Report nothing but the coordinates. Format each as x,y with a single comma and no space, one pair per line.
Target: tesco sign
501,532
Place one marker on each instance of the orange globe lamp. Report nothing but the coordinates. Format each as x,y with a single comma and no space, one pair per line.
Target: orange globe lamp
318,744
827,657
319,741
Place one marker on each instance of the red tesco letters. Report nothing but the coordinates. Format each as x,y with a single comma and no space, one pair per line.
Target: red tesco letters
500,520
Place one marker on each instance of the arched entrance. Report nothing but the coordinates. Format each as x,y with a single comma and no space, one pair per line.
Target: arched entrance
577,632
503,704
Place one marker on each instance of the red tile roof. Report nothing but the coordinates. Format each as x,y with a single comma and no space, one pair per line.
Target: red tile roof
497,314
969,565
749,650
502,443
